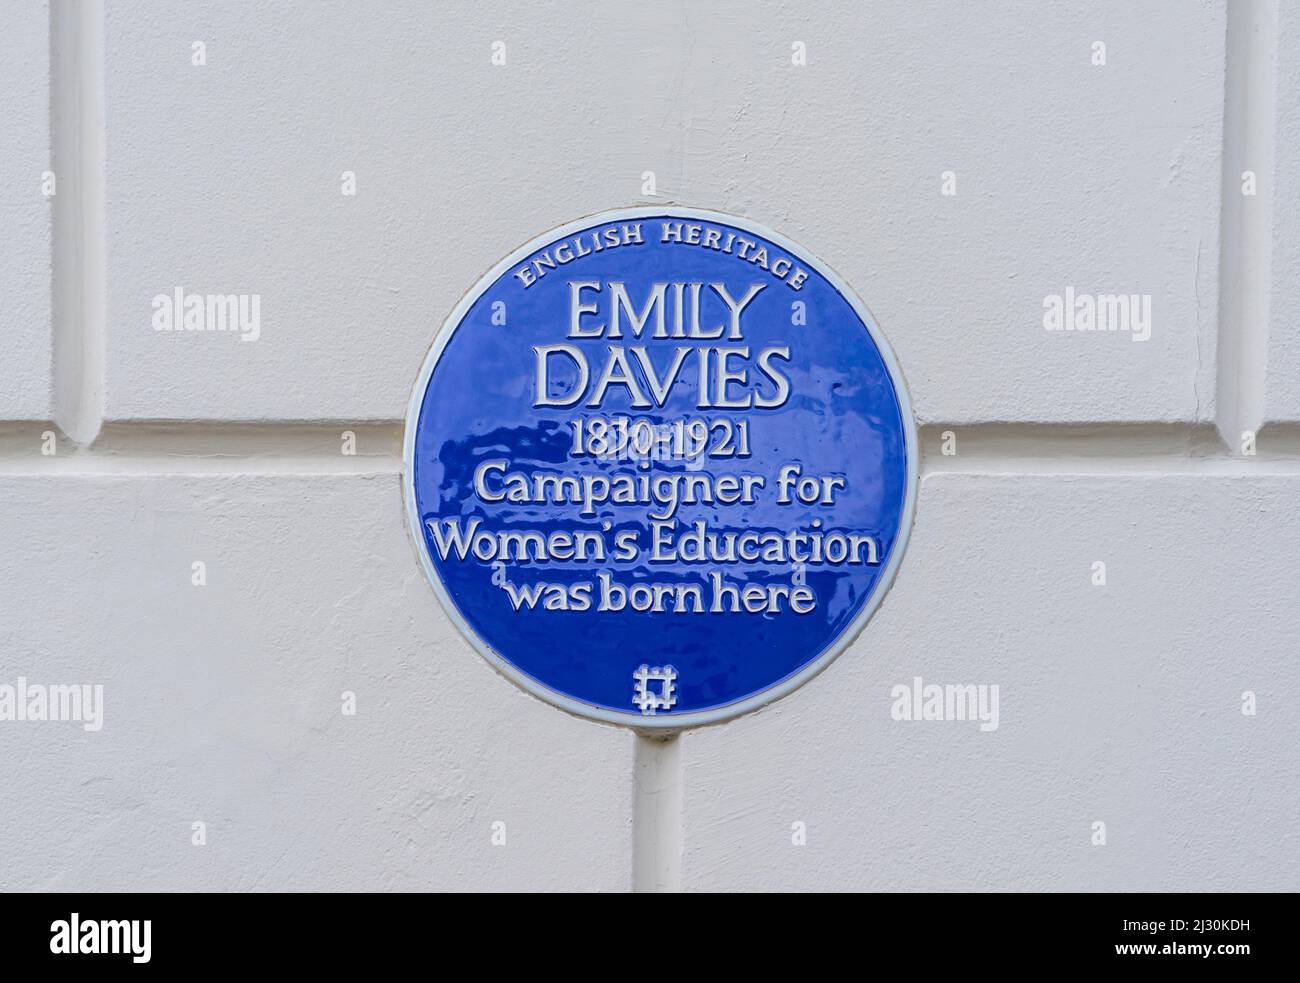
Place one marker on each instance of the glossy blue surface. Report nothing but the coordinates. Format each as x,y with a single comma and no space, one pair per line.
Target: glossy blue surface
843,418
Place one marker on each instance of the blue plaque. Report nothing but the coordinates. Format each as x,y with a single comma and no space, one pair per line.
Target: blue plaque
660,466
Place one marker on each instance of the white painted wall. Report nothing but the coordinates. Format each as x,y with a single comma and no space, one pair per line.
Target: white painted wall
1120,703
